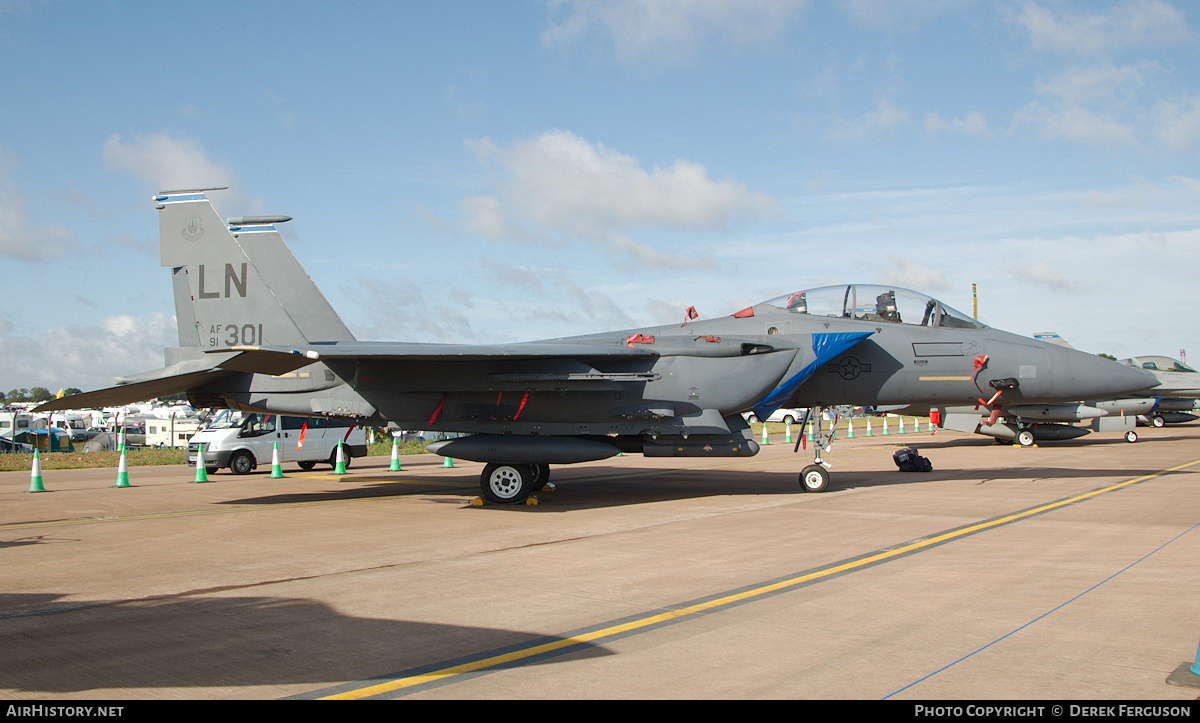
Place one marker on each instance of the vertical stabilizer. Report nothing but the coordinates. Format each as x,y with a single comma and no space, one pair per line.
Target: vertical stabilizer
1052,337
238,284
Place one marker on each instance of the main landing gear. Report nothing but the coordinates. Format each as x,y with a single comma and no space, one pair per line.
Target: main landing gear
510,484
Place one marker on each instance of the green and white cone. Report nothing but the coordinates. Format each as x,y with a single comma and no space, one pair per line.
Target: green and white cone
340,467
201,470
122,471
276,470
395,455
35,474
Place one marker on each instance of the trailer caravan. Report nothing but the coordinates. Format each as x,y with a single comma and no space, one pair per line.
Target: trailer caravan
170,432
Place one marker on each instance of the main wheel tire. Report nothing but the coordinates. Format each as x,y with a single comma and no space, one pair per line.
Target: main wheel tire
506,484
541,475
1131,436
1025,437
241,463
1158,421
814,478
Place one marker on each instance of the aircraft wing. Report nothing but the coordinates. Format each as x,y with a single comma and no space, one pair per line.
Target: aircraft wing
280,360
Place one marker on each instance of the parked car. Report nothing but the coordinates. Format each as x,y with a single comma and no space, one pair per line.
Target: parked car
783,415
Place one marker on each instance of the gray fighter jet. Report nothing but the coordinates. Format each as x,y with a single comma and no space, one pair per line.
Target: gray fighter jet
1027,424
1177,394
256,335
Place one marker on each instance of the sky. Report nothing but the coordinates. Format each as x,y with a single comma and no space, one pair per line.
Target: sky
480,171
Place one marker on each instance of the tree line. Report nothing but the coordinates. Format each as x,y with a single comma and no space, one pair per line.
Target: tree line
37,394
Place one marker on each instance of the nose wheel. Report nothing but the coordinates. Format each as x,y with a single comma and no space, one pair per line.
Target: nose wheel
814,478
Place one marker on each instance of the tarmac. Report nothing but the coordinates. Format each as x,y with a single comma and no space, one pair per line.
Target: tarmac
1063,572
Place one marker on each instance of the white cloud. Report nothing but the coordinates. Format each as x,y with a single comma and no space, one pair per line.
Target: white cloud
1179,123
25,241
1141,23
561,185
485,216
1189,183
1074,123
1103,82
911,275
890,13
669,28
1085,104
882,119
88,357
973,124
165,162
20,238
1040,274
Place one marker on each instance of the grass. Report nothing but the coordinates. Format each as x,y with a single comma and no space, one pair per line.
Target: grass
143,456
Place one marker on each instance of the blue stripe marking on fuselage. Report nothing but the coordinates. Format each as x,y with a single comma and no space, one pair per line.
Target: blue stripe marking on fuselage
826,347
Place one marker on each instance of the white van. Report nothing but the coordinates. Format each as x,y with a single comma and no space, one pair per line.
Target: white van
242,442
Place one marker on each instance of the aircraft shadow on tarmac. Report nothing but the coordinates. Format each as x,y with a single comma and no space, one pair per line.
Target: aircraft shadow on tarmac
600,487
33,540
201,642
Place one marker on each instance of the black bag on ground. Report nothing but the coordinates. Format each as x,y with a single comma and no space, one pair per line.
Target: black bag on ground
908,460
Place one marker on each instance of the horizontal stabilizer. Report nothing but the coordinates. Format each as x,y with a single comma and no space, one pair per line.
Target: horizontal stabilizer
265,361
130,393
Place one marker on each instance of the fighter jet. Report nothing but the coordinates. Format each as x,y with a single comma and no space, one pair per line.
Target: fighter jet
1177,394
256,335
1028,424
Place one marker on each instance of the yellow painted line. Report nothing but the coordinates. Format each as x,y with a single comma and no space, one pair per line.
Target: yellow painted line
651,620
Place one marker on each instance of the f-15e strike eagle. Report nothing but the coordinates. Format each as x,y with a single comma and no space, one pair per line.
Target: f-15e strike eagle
255,334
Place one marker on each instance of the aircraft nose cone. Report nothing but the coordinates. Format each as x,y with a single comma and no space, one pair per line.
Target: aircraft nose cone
1084,376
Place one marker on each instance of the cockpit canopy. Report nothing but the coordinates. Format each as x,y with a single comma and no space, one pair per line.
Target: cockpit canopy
1158,364
869,302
